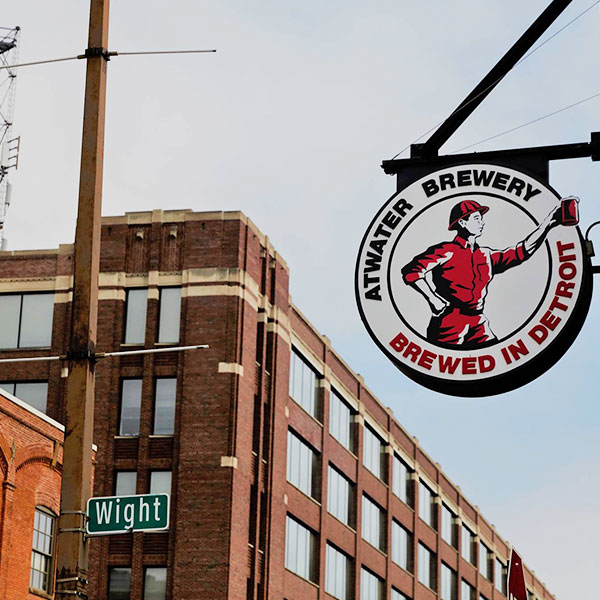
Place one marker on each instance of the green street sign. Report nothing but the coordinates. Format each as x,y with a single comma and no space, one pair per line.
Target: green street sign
123,514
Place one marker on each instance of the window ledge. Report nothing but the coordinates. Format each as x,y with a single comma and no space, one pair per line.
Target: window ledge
166,344
342,522
134,436
311,416
375,547
40,593
25,349
376,476
449,544
426,586
342,446
303,493
403,569
427,525
405,503
159,435
315,585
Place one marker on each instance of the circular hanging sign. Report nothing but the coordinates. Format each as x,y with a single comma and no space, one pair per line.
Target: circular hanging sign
473,279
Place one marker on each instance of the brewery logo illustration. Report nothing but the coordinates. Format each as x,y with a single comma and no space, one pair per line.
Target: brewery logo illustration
473,279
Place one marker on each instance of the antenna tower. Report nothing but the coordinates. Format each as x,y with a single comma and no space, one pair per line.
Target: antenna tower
9,145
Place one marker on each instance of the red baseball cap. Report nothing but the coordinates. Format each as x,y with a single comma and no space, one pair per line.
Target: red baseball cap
464,209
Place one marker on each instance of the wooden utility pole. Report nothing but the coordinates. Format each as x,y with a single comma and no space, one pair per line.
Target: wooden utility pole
72,558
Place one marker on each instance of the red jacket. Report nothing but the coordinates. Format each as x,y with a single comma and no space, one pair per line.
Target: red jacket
461,274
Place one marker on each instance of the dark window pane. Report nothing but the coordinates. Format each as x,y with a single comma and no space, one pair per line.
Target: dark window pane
164,406
119,583
170,310
36,320
10,311
135,319
131,401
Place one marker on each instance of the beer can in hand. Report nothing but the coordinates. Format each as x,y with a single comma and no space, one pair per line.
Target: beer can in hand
569,210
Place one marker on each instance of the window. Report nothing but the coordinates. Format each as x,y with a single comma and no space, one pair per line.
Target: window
337,574
371,587
42,553
155,583
372,523
426,505
26,320
500,576
340,420
303,384
34,393
396,595
119,583
169,315
401,546
467,592
449,534
135,316
467,543
165,390
426,567
339,495
299,549
160,482
131,403
485,564
401,481
373,456
448,589
301,465
125,483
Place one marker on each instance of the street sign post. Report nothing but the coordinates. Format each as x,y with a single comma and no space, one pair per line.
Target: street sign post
110,515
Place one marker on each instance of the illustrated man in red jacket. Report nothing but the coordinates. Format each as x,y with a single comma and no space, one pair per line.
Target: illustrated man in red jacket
461,271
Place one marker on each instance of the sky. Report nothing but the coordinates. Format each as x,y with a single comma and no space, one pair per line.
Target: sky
289,122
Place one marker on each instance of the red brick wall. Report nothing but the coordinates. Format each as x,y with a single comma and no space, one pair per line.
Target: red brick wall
30,472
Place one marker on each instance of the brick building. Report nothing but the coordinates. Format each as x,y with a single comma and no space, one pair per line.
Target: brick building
288,478
30,467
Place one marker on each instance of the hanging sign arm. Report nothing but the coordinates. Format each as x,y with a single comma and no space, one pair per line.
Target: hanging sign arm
490,81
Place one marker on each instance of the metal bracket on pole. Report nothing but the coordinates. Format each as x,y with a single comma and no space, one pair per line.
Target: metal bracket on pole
536,155
424,157
81,530
94,52
490,81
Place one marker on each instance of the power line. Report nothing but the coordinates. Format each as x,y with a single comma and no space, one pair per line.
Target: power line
81,56
493,137
497,80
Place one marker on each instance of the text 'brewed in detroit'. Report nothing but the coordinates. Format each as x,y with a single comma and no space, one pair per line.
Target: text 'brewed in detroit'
382,234
539,333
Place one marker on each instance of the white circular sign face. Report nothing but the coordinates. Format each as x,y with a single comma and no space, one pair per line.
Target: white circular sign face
473,279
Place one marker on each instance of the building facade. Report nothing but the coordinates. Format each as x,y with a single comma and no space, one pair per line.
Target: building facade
30,472
288,478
